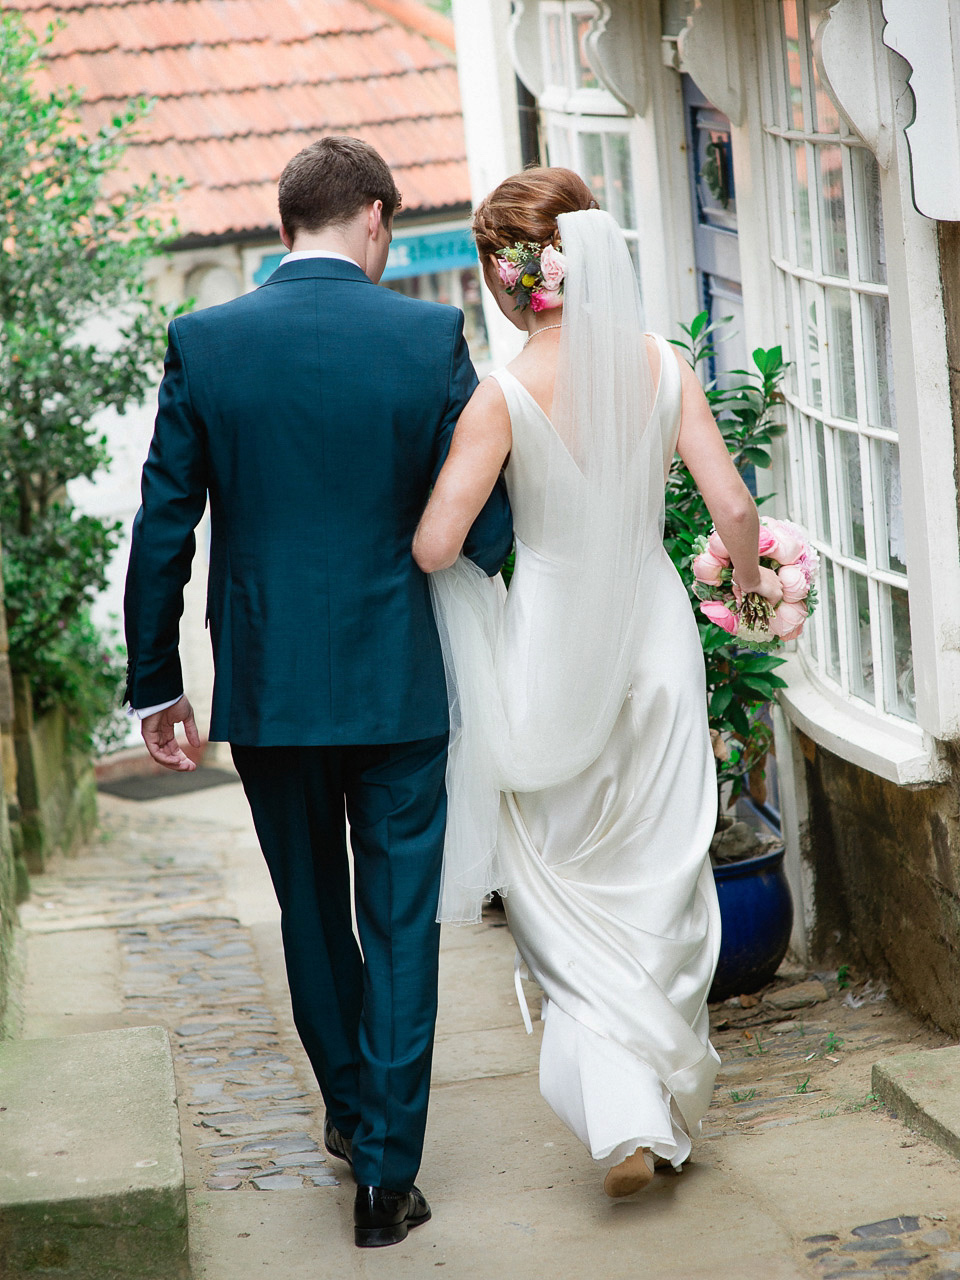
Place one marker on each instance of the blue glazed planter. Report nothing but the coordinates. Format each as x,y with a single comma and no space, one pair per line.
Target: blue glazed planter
756,916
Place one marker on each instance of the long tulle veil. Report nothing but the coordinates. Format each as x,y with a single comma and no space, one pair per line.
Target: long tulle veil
534,693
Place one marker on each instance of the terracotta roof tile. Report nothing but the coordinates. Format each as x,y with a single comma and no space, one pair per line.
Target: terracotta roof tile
241,85
151,25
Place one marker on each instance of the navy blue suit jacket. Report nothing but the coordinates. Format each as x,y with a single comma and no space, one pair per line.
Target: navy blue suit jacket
316,412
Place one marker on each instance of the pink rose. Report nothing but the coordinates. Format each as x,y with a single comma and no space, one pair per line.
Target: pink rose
788,619
767,542
716,547
788,545
793,579
707,568
508,272
719,614
545,299
553,267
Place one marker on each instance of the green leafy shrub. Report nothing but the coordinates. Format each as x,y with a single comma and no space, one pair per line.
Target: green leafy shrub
740,682
79,334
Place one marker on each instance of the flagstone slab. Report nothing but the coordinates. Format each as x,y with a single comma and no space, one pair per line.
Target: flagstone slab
91,1174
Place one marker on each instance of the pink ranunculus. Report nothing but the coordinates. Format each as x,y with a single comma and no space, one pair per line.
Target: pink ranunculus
788,545
768,541
793,579
553,267
809,562
509,272
788,619
707,568
716,547
545,299
719,614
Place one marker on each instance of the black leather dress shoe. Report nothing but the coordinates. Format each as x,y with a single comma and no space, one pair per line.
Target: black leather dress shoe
337,1145
383,1217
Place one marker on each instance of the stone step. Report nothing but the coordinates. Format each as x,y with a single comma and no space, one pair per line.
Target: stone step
922,1088
91,1170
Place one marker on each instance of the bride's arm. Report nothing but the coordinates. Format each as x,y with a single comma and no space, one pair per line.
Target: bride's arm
480,445
734,512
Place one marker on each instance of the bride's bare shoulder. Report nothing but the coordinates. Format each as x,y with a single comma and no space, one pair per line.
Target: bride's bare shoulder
486,411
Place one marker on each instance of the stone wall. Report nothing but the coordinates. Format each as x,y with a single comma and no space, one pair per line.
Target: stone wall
886,872
13,876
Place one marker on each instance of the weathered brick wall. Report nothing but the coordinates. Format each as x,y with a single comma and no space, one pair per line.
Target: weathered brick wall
886,864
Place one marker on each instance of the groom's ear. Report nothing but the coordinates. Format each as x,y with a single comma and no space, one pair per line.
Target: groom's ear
375,217
286,239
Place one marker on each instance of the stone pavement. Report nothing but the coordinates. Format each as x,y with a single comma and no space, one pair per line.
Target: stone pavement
800,1172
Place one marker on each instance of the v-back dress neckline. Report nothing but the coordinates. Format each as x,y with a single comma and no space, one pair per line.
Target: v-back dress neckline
662,347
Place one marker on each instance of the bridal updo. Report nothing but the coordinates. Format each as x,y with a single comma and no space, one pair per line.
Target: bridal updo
526,207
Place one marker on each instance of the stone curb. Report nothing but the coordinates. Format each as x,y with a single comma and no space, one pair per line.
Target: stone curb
922,1089
91,1177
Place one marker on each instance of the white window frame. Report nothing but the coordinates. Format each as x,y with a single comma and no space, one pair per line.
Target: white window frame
568,97
896,749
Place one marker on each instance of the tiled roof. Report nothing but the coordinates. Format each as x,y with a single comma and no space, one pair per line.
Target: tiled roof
241,85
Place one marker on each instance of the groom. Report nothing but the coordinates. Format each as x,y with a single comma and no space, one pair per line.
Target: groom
316,413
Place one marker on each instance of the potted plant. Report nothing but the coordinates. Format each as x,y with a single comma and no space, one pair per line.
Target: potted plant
755,904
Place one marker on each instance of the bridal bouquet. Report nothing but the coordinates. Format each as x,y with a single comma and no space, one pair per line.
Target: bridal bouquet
752,619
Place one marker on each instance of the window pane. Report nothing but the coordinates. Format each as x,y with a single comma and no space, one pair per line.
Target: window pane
553,40
833,228
811,305
868,213
901,699
891,546
774,108
821,491
794,74
716,197
843,386
810,636
826,118
592,149
801,197
634,248
621,179
585,75
829,606
858,636
558,146
849,481
878,361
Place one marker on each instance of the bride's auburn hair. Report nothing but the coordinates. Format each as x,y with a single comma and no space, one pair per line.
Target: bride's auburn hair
526,207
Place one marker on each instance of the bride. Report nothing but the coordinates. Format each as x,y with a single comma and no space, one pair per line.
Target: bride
581,779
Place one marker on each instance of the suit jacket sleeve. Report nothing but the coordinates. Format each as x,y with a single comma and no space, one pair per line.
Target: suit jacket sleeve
491,536
173,499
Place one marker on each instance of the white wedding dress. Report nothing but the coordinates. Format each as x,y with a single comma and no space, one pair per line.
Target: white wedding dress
607,884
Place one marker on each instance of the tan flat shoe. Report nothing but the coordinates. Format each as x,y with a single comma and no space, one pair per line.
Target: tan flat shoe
629,1175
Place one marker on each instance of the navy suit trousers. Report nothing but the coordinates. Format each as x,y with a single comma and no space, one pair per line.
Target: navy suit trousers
365,1011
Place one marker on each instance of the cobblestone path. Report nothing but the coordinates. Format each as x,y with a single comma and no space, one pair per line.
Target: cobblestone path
189,967
200,980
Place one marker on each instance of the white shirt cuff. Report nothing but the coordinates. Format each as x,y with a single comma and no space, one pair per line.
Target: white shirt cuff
143,712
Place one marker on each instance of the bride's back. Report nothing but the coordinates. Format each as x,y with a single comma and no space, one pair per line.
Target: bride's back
536,365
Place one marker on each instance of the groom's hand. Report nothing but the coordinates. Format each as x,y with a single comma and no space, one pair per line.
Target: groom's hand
159,734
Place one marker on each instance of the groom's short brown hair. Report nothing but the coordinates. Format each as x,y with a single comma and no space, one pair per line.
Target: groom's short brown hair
330,181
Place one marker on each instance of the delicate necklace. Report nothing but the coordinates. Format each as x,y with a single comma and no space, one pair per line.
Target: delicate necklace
543,330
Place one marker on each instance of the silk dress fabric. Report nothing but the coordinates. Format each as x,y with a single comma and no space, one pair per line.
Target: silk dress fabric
611,898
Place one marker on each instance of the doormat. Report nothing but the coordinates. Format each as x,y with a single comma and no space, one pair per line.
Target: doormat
160,786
